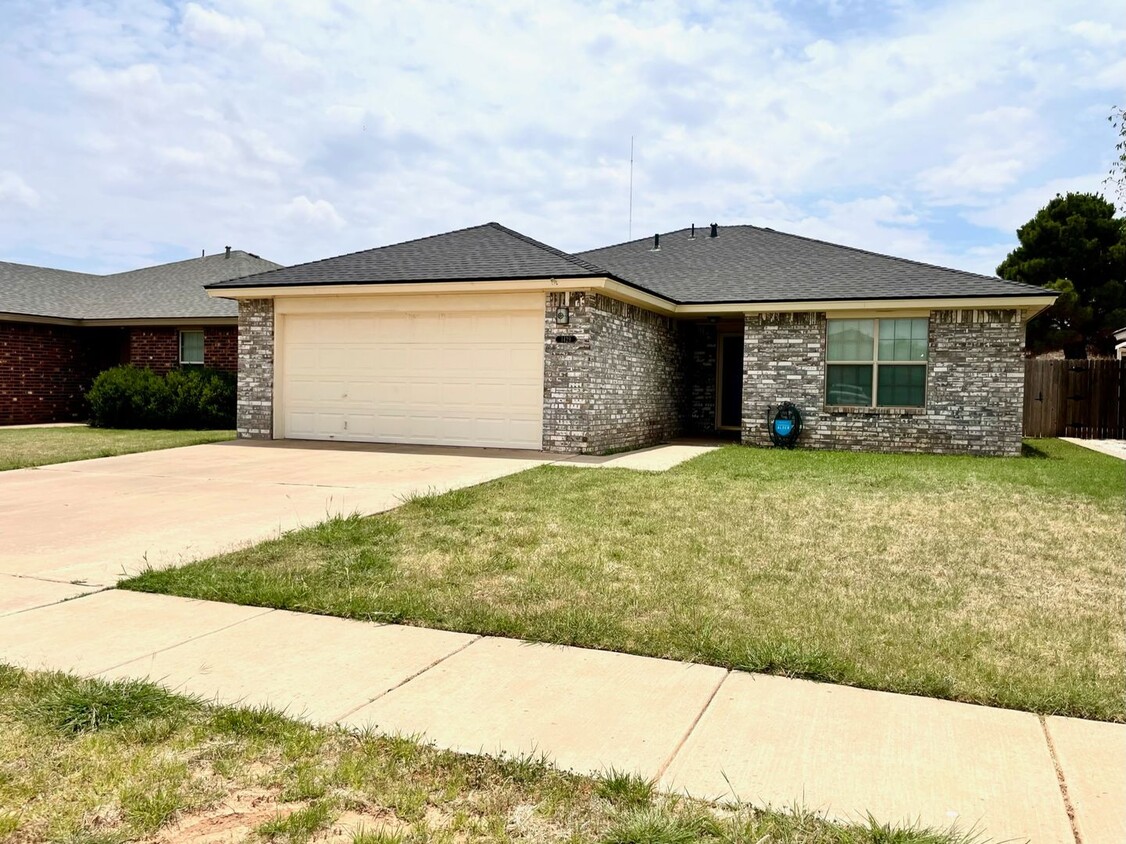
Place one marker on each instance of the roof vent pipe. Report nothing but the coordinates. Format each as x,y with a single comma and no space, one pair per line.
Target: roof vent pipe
692,236
656,241
228,255
715,230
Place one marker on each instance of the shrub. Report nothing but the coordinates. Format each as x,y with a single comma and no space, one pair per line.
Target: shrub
201,398
134,397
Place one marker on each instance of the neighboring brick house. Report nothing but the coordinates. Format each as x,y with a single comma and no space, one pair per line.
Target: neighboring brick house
485,337
59,329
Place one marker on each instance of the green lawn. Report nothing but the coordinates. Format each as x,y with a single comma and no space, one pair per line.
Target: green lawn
998,581
100,763
23,447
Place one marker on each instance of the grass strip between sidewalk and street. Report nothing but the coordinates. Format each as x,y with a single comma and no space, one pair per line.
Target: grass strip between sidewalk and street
98,762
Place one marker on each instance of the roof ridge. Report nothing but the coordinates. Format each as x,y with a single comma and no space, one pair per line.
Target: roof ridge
567,256
862,251
858,249
214,256
51,269
632,240
362,251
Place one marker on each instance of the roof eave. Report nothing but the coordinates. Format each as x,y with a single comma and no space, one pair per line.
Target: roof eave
248,282
621,289
120,322
1030,303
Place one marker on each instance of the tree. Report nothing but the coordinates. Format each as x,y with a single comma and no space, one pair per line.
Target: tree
1117,175
1074,245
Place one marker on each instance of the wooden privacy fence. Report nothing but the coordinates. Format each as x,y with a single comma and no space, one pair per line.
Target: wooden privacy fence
1075,398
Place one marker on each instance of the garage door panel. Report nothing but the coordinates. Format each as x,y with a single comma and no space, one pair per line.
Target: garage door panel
466,378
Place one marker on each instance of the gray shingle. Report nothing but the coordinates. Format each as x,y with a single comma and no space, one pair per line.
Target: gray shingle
486,252
167,291
743,264
752,264
41,291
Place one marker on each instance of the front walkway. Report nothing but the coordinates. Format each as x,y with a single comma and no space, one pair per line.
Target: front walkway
1115,448
710,732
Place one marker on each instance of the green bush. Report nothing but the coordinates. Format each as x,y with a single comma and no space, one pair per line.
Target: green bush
134,397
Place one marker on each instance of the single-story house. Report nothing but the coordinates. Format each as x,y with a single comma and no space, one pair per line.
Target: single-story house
486,337
59,329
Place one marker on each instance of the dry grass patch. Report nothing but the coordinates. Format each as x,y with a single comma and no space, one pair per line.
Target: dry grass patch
996,581
168,770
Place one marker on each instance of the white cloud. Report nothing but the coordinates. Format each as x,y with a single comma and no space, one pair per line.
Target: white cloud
139,80
1099,33
15,191
913,129
207,26
1010,212
318,213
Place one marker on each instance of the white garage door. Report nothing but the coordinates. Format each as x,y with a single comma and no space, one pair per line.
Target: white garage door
466,373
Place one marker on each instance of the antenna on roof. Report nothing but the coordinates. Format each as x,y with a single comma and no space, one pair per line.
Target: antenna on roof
630,188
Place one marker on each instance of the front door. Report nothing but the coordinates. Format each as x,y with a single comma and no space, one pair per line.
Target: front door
729,382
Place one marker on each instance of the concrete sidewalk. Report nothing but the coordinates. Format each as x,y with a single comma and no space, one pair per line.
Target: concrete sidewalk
1114,448
699,729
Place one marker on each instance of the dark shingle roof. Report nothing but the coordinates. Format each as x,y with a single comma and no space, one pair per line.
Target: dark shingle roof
167,291
742,264
752,264
488,252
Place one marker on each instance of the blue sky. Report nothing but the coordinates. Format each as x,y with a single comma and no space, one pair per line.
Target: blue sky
139,131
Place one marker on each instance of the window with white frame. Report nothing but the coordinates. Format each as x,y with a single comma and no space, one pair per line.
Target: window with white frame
191,348
876,362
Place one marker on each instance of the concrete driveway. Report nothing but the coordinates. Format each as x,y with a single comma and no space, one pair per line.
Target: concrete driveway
71,527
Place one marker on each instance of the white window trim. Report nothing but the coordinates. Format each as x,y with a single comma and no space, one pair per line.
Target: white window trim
875,363
203,353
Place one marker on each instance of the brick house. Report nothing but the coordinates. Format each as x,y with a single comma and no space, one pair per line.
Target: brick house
59,329
485,337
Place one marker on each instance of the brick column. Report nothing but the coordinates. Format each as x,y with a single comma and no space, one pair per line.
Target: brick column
255,418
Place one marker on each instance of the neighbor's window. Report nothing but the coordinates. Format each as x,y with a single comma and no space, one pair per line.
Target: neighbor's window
876,362
191,348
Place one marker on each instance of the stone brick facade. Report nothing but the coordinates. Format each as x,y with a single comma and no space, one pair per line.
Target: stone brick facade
613,376
974,391
618,376
255,417
566,374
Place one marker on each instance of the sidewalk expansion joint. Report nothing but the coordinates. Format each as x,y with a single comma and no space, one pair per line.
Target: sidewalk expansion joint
691,727
93,591
1068,807
403,682
81,584
150,654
